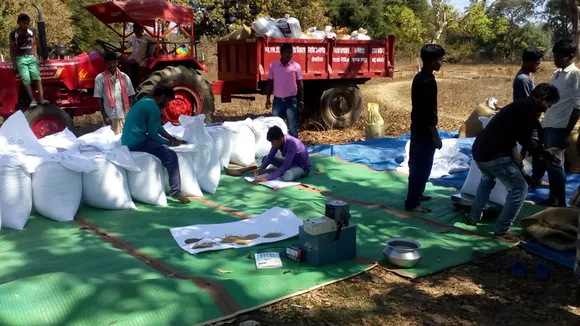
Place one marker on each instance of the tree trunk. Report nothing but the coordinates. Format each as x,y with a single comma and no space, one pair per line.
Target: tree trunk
573,6
439,11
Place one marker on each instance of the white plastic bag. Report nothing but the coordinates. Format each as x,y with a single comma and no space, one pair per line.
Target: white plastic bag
222,137
315,34
103,139
107,188
17,137
61,141
498,194
189,183
173,130
243,142
205,159
260,126
15,196
147,185
267,27
57,191
290,27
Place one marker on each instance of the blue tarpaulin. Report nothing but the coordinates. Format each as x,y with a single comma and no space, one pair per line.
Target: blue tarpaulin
385,154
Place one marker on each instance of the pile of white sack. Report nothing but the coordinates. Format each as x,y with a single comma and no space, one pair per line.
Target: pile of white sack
289,27
57,174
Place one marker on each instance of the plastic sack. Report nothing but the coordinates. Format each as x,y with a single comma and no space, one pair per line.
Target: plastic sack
374,124
60,141
290,27
103,139
498,193
15,197
473,125
315,34
222,137
188,177
173,130
107,188
328,32
16,137
260,126
243,142
205,159
147,184
267,27
57,191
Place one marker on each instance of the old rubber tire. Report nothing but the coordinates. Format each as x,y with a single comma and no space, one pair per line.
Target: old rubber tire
193,93
48,119
340,106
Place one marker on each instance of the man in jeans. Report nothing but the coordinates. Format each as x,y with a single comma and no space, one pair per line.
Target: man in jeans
496,155
23,54
143,132
294,163
424,135
285,81
523,85
561,118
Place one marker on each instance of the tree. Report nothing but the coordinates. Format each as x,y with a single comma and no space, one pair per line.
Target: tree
56,15
440,8
87,29
406,27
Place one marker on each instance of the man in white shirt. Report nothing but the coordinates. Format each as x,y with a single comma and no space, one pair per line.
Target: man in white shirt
561,118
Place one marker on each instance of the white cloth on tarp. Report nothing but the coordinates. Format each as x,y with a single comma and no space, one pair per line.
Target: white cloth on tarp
447,160
206,160
275,220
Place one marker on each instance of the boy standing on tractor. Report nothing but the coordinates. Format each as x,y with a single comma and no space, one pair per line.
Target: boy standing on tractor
23,55
114,92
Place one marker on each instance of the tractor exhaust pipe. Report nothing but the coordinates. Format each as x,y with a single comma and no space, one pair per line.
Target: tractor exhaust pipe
41,28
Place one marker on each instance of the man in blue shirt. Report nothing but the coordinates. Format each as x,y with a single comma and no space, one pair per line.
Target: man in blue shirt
143,132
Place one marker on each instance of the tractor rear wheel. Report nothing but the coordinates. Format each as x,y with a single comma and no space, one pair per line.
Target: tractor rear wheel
48,119
193,94
341,106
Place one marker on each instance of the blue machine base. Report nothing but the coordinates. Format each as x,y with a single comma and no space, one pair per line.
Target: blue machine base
322,249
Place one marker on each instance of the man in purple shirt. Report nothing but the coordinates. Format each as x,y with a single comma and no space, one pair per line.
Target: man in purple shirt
285,81
294,164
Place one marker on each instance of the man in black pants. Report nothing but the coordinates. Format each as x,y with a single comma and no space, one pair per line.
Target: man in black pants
424,136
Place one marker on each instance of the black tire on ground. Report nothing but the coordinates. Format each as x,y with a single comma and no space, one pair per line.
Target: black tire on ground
185,76
50,110
340,106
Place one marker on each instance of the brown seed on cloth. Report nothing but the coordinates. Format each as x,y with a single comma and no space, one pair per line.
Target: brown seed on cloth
192,240
251,236
231,239
202,245
274,235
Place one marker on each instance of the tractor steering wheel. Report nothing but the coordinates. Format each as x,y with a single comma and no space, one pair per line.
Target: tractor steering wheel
108,46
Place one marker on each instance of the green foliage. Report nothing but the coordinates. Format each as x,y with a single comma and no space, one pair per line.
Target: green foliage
87,28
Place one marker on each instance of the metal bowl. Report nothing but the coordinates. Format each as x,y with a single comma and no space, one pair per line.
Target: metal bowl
403,253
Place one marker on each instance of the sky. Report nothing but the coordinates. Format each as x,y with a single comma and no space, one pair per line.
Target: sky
460,4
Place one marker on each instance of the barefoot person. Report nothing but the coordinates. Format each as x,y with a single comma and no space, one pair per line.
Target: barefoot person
424,136
294,165
114,92
23,55
143,132
494,154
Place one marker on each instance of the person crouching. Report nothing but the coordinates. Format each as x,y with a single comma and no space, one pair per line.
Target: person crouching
496,155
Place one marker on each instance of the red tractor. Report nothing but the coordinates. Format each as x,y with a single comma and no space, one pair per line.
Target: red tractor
68,83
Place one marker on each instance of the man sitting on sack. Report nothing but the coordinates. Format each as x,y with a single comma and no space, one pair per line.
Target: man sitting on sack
496,155
143,132
294,164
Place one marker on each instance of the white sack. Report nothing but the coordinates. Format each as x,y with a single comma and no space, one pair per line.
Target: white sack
447,160
498,194
260,127
173,130
57,191
243,142
17,137
107,188
205,159
290,27
147,185
189,183
15,196
267,27
60,141
222,138
103,139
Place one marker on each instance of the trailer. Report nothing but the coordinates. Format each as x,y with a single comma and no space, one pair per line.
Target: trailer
332,71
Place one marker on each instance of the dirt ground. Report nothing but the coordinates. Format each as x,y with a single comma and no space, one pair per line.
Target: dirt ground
480,293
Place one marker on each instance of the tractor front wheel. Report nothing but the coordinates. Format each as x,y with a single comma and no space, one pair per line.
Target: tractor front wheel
193,94
48,119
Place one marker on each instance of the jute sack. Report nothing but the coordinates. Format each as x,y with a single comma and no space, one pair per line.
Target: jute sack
472,126
572,159
243,33
555,228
